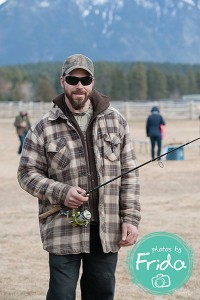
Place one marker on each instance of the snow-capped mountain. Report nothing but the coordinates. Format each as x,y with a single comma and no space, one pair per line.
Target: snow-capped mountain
118,30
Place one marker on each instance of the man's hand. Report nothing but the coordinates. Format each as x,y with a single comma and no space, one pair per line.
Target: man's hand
75,197
129,235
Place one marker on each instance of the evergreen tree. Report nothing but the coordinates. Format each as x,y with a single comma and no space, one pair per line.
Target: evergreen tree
172,85
5,88
56,84
137,82
16,93
103,78
118,84
44,90
192,85
198,81
17,76
157,85
13,77
182,84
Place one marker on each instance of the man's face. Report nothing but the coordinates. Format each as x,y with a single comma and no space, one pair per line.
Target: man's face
77,96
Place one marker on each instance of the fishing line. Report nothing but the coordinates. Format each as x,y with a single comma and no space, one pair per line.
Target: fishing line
142,165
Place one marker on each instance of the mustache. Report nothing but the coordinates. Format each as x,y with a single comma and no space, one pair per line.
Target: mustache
79,92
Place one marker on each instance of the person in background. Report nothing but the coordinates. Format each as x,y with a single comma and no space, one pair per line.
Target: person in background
80,143
154,130
22,125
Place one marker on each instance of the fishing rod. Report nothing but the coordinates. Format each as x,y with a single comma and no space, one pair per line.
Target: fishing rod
147,162
82,218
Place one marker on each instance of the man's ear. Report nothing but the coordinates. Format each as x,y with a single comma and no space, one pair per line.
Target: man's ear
62,81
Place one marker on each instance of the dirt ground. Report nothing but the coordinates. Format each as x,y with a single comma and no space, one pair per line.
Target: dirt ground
170,200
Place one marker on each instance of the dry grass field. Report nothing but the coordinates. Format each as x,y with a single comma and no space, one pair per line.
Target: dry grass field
170,200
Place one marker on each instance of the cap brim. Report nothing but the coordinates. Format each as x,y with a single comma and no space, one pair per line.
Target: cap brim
78,67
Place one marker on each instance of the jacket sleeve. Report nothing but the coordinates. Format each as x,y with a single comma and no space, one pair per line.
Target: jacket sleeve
162,121
17,122
33,172
28,123
130,187
147,127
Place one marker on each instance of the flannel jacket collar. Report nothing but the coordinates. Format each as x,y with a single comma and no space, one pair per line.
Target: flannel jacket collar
99,102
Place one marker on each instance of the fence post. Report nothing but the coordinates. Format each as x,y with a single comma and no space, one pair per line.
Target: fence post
191,110
126,110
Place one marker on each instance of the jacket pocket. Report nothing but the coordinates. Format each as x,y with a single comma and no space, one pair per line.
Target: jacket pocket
58,154
112,147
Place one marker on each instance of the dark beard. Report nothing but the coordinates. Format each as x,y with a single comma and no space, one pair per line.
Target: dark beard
77,104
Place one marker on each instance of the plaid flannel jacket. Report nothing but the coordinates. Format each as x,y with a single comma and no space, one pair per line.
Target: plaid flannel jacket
53,160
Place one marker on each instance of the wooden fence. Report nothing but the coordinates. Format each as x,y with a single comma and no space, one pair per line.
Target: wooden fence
131,110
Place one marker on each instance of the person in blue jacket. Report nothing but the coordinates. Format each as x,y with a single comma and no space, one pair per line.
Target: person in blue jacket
153,129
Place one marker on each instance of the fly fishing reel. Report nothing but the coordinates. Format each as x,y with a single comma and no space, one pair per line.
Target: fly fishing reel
76,217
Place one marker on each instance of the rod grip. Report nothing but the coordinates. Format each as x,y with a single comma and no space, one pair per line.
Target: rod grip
50,212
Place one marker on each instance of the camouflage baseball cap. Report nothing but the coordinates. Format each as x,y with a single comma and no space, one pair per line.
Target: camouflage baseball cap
77,61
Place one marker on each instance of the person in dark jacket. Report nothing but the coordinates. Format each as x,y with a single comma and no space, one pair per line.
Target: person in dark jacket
153,129
22,125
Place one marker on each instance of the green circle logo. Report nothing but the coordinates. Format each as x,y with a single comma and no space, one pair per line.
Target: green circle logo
160,263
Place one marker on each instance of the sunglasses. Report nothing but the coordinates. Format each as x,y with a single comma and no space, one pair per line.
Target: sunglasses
73,80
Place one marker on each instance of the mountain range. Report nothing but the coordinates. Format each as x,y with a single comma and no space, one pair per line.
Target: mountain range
34,31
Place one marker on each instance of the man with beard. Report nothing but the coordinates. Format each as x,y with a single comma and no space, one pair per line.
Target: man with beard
80,143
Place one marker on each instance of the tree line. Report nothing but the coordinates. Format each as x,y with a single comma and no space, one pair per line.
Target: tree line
137,81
